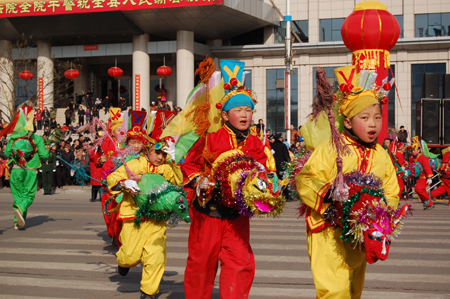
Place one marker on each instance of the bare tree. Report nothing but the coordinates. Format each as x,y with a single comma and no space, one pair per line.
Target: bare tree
21,55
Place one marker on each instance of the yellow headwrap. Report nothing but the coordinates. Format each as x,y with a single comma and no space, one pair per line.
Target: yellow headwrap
354,103
115,119
415,143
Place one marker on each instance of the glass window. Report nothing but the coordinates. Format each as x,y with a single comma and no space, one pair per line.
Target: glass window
25,90
400,22
275,100
248,79
417,71
300,27
330,29
435,24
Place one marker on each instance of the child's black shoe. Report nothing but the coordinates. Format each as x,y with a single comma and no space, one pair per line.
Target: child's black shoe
123,271
146,296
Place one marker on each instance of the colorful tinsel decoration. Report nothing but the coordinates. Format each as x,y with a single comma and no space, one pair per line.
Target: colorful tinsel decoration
154,196
246,200
292,168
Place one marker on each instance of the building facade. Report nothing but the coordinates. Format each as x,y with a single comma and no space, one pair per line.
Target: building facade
247,30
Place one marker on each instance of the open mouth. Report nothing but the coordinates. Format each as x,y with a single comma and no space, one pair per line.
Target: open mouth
372,134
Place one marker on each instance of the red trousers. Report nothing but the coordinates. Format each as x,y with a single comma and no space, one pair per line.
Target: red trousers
421,186
113,224
444,187
401,184
212,240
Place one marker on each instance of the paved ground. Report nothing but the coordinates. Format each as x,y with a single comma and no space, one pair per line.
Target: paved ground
65,253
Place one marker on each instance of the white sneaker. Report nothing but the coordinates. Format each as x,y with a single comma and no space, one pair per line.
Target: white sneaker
19,217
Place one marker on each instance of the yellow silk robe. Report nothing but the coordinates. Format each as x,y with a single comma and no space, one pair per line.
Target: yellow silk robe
140,166
320,171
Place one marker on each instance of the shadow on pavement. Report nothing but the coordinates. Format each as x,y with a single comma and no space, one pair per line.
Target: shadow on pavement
38,220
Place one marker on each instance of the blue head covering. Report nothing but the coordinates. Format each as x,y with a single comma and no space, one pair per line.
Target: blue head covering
235,95
238,100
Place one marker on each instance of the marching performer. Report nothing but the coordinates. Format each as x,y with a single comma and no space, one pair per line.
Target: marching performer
26,149
220,233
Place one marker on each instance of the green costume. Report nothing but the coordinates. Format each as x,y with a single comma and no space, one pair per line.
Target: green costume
57,135
23,175
48,166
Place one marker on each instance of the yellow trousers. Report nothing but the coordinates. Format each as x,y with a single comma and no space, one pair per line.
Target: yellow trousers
146,245
338,269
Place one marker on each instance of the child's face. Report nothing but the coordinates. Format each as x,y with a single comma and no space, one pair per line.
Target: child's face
416,151
239,117
136,145
155,157
116,133
367,124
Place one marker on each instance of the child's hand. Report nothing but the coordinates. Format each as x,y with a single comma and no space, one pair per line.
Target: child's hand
131,185
341,195
170,149
204,185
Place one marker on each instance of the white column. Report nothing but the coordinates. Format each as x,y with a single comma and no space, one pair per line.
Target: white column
6,80
185,66
45,70
141,66
403,82
314,26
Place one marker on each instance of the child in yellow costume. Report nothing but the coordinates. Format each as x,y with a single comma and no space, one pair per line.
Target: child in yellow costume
145,244
338,269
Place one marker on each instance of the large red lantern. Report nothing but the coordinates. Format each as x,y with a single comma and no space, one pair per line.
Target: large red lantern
71,74
370,31
26,75
164,71
115,72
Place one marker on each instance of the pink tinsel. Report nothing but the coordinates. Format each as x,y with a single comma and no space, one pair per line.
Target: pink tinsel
98,141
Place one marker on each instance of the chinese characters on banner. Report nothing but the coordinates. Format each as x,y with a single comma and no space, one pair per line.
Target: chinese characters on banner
23,8
90,47
286,89
41,93
137,92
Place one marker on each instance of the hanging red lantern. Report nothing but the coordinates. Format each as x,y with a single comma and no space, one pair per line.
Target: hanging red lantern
71,74
26,75
370,26
115,72
164,71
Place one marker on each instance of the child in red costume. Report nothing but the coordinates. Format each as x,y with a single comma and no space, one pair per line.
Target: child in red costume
99,165
424,179
445,176
219,233
399,161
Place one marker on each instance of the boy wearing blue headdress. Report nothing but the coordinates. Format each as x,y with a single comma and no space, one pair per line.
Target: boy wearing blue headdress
219,233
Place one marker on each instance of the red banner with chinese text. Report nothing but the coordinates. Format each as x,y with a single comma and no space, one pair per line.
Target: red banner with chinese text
90,47
41,93
137,92
21,8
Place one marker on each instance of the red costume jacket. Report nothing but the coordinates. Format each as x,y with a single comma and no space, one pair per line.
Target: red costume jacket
445,166
427,171
217,143
400,158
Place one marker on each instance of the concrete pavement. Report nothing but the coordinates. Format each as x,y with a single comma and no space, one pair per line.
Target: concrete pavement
64,252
